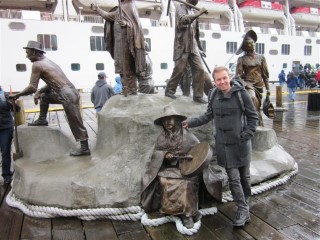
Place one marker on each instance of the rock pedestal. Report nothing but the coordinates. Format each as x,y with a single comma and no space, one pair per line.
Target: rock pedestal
111,176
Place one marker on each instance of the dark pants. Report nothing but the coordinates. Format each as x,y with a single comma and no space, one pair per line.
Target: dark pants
69,98
6,136
240,186
180,68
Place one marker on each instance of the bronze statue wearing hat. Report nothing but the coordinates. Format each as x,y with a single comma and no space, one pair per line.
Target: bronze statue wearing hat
169,186
252,68
58,90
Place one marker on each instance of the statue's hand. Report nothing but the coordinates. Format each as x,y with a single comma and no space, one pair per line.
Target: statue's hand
268,92
202,53
168,156
203,11
36,97
122,22
14,96
94,7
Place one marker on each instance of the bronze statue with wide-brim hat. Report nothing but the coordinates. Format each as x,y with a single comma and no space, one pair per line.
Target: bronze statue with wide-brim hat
252,70
35,45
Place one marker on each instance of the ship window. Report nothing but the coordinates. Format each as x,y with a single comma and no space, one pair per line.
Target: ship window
97,29
318,41
259,48
202,34
204,45
75,66
308,41
216,35
274,39
285,66
21,67
148,40
49,42
307,50
231,47
273,52
17,26
97,43
164,66
99,66
285,49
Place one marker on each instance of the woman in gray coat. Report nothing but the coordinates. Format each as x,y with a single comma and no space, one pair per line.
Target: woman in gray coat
235,120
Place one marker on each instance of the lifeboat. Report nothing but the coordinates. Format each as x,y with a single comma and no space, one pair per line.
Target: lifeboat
214,7
34,5
306,15
261,11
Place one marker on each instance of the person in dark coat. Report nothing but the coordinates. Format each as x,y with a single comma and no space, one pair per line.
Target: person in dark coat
101,92
6,134
234,130
187,49
58,90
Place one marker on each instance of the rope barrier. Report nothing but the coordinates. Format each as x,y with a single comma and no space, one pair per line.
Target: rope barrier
135,213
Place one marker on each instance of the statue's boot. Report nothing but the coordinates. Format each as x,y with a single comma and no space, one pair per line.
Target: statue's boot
83,150
42,120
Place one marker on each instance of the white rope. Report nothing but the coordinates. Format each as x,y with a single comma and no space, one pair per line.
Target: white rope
179,225
135,213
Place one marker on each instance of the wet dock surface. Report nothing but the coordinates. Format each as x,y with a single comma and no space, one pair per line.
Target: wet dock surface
290,211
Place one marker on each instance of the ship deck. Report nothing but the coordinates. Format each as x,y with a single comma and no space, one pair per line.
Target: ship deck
289,211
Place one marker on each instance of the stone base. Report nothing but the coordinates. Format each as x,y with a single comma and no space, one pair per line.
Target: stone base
279,114
111,176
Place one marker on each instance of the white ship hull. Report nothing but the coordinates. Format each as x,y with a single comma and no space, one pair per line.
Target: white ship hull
73,40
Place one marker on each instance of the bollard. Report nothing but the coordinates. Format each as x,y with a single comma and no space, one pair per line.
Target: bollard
279,107
278,96
20,116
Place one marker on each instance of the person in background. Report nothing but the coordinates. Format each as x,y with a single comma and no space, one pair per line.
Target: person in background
234,130
292,84
6,134
282,78
318,77
101,92
118,86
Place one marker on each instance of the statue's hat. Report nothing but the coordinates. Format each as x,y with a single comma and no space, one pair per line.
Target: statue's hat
168,111
35,45
252,34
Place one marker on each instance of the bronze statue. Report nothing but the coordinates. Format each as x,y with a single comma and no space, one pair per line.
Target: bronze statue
165,187
59,90
187,49
252,68
145,80
125,42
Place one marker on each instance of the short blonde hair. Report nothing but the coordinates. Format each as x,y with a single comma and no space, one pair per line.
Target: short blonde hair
219,69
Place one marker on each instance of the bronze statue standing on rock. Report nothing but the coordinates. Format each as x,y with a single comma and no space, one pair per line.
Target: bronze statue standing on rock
125,42
187,49
252,68
59,90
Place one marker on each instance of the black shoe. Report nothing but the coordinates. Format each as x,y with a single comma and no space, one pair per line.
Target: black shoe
170,95
241,219
199,100
187,222
7,180
39,123
80,152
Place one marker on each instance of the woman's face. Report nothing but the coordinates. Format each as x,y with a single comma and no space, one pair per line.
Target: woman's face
248,44
169,122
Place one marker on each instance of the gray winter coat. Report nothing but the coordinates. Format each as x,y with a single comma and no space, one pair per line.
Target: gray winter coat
100,93
234,127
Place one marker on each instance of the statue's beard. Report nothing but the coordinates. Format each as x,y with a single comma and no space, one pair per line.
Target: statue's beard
174,137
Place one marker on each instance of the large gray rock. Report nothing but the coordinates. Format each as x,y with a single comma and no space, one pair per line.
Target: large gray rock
111,176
